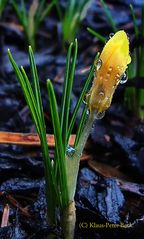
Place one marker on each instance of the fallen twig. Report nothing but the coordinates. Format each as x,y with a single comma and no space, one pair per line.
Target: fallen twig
5,216
28,139
16,204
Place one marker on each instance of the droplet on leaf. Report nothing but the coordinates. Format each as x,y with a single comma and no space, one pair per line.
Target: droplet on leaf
52,162
99,115
85,101
98,64
70,151
101,94
88,112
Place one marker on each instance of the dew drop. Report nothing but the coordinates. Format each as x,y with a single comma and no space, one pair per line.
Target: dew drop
128,36
101,77
107,97
52,162
88,112
110,69
108,75
84,101
70,151
111,35
123,78
99,115
98,64
107,101
101,94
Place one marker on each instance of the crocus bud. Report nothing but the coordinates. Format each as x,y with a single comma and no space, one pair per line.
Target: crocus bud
110,69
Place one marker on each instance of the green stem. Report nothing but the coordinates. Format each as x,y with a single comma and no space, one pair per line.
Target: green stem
49,190
72,165
68,221
72,162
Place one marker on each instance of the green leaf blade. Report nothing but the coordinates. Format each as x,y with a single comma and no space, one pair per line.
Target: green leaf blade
58,144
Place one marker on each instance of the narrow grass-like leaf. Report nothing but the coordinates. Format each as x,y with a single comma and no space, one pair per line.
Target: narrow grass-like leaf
59,144
141,67
109,16
46,11
28,93
26,90
49,177
130,99
18,12
96,34
81,97
24,13
39,12
134,21
36,86
141,103
58,10
51,191
31,19
66,82
81,125
68,89
2,6
73,15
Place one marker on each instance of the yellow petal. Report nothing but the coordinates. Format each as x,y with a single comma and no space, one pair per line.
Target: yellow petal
114,58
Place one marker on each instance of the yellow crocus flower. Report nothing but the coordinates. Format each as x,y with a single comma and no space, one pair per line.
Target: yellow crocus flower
111,66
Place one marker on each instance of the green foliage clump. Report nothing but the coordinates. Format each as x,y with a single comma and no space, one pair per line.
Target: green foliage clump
31,19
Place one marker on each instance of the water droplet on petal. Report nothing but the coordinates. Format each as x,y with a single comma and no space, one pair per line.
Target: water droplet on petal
117,75
110,69
101,77
123,78
128,36
98,64
111,35
101,94
99,115
108,75
70,151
